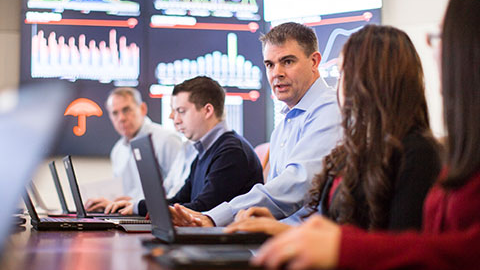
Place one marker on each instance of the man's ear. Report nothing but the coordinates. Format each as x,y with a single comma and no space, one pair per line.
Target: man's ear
144,108
316,58
209,110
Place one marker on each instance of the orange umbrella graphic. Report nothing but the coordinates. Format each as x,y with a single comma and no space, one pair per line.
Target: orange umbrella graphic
82,108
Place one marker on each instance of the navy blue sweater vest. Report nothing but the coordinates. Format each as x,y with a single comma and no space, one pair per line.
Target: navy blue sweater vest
228,168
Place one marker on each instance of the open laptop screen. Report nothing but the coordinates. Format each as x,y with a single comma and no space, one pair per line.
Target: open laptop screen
72,179
58,187
30,208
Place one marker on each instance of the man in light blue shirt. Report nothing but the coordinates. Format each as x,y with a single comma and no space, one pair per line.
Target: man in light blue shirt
310,130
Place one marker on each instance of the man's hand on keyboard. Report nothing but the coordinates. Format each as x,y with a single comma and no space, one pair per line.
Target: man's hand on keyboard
184,217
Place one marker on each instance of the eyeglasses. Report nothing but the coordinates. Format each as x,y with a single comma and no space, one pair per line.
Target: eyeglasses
434,39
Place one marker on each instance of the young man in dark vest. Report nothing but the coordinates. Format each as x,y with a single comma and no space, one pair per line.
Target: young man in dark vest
226,165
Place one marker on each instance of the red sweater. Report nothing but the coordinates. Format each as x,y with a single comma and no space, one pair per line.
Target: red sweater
450,237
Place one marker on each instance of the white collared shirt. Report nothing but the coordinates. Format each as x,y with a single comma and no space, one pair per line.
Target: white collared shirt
166,143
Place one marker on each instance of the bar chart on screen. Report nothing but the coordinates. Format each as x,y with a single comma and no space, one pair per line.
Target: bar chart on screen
239,76
230,69
73,58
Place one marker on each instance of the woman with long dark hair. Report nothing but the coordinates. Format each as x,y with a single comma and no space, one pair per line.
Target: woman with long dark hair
387,134
372,179
451,227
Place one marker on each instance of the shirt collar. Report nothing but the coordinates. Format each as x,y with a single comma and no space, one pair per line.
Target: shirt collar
143,130
309,98
208,139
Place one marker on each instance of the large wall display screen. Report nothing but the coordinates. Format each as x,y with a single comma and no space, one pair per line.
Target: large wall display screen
99,45
152,45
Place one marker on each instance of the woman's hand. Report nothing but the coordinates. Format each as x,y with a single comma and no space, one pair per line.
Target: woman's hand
315,244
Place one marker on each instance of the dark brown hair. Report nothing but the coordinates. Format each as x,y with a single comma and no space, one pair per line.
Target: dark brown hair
203,90
384,100
461,90
304,35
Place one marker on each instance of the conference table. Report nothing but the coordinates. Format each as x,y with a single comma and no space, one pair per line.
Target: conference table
29,249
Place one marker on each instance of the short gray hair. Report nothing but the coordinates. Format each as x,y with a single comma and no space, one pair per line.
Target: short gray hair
126,91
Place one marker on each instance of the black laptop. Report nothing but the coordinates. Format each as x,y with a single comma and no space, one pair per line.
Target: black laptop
58,187
162,226
75,224
77,198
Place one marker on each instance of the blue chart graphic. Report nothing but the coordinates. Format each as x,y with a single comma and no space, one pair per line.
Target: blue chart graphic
67,58
230,70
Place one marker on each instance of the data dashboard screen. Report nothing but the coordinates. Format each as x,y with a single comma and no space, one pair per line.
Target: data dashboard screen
152,45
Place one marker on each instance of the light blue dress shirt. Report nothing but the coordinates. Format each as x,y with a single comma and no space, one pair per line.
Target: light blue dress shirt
310,130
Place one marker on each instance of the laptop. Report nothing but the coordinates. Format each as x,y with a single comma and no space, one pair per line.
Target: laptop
58,187
77,198
42,207
71,224
38,199
157,204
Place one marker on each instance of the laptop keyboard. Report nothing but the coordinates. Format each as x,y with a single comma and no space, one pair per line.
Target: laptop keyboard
134,221
68,220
